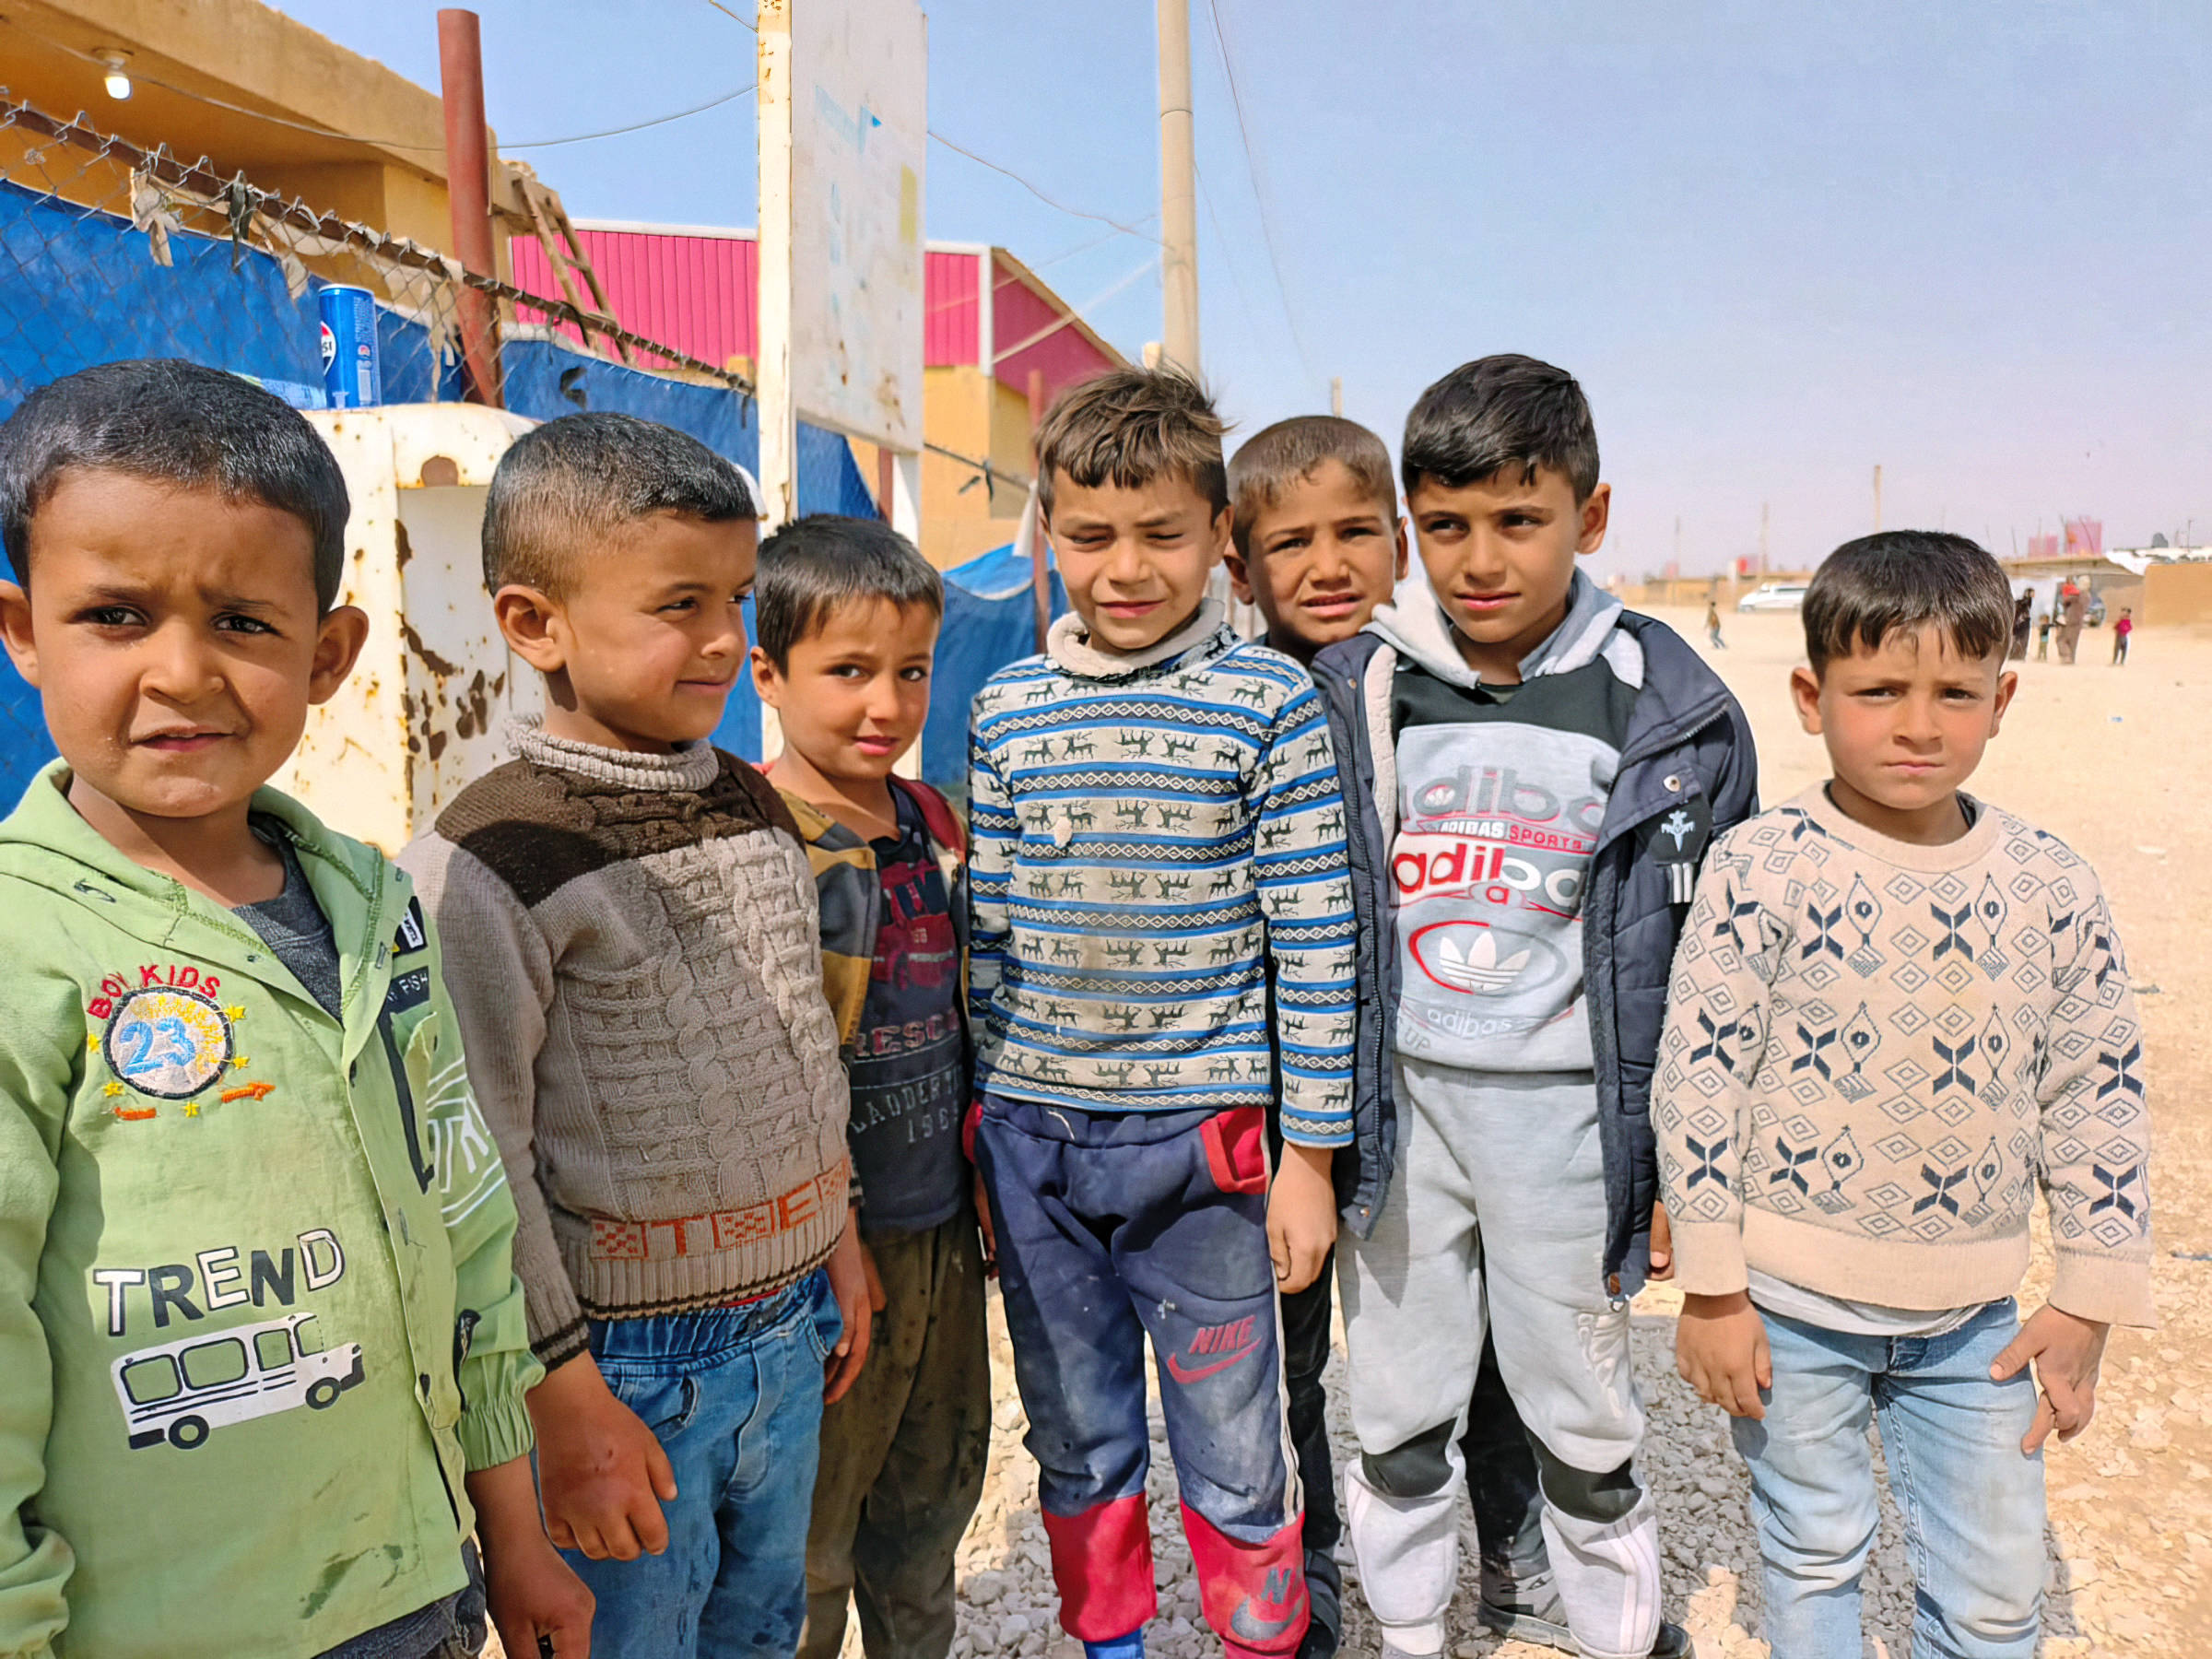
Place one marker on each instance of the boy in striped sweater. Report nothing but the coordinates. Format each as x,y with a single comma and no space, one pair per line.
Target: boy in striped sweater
1157,823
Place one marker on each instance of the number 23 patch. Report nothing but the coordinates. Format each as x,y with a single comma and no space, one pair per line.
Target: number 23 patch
168,1042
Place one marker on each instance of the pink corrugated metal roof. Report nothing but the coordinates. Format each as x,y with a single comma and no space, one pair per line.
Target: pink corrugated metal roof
697,292
951,320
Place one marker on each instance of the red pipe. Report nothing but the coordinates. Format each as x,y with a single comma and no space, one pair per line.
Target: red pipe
468,191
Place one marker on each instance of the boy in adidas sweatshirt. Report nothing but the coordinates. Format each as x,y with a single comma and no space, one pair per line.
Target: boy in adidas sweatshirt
1531,773
1156,823
1897,1011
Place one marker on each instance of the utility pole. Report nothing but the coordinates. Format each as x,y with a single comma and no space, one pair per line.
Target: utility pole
468,195
1878,495
1178,190
1336,395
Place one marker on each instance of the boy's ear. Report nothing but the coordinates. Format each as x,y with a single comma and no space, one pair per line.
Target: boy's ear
527,620
768,680
1805,692
338,640
2008,683
1225,541
1597,512
15,628
1404,558
1239,576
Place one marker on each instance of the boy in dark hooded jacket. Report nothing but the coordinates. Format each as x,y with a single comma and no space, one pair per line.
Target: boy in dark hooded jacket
1531,775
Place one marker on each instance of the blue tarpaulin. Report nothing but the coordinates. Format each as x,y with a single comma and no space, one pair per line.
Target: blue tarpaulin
990,620
80,288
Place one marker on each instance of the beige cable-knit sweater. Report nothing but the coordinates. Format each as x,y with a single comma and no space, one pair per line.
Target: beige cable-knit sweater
1874,1051
632,945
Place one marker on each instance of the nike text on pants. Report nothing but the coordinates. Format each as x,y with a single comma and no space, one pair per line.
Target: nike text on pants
1498,1221
1114,1226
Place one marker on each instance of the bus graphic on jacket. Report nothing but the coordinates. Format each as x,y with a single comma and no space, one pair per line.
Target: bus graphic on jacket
179,1391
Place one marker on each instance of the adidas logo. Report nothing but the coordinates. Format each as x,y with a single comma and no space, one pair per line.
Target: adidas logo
1475,967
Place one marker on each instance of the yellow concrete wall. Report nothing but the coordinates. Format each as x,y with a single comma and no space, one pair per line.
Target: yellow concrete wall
2176,593
245,52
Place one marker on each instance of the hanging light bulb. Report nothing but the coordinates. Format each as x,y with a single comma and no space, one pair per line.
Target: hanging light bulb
118,80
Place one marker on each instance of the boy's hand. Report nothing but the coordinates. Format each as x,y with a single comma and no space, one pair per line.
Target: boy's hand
1302,1216
1662,1246
2066,1349
984,1225
533,1594
859,1293
1721,1351
603,1475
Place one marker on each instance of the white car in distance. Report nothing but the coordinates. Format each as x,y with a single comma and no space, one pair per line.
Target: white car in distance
1773,596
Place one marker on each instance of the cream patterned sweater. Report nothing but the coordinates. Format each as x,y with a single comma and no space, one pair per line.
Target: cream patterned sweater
632,945
1874,1053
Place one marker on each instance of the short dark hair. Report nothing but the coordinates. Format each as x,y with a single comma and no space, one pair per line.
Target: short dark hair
173,422
1903,580
814,565
565,486
1271,461
1128,426
1499,412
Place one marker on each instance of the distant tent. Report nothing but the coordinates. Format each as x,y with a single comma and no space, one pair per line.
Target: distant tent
990,620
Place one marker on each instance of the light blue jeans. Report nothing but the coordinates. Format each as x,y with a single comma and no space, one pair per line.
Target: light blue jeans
734,1396
1972,1502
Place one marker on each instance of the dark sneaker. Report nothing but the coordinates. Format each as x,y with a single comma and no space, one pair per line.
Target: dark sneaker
1325,1595
1545,1623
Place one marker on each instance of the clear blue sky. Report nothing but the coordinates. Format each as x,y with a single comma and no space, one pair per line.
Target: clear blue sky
1778,244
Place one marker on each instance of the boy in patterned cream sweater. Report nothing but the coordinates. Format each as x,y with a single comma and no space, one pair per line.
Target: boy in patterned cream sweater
1895,1012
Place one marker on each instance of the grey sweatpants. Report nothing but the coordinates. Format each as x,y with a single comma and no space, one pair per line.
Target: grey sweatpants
1497,1221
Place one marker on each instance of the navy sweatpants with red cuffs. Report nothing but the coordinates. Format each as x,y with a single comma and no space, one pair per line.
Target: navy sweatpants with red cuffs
1113,1227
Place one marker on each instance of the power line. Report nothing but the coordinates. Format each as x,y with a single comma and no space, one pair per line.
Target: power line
713,103
733,17
1259,190
1101,218
1236,281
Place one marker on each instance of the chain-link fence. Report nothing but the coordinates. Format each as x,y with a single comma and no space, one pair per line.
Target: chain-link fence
108,251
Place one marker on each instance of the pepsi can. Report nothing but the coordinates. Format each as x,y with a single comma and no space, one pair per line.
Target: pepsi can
352,372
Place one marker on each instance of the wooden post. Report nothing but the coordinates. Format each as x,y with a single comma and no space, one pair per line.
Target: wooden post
1041,567
468,194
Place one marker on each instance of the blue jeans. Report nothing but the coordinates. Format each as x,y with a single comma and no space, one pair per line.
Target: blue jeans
734,1396
1972,1503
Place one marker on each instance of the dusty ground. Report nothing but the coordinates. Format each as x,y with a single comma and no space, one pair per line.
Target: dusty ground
2116,761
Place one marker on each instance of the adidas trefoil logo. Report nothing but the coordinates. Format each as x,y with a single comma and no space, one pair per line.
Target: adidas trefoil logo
1476,967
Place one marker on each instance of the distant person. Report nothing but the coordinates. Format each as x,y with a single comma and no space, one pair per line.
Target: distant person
2074,614
1532,774
1319,545
633,945
2023,620
1713,625
265,1349
2122,630
847,615
1856,1111
2042,638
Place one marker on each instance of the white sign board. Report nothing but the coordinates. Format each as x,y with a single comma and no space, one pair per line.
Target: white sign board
854,98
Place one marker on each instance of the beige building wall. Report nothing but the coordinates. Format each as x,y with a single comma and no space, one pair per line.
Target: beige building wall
245,53
2175,594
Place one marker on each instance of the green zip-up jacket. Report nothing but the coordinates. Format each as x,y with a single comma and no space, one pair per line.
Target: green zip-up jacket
257,1312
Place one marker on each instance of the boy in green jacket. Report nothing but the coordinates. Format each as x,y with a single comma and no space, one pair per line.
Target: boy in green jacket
262,1357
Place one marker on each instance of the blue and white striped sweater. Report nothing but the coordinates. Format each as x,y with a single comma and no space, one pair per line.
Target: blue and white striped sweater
1149,833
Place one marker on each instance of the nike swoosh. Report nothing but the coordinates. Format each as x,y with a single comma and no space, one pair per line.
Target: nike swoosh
1175,1365
1247,1628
